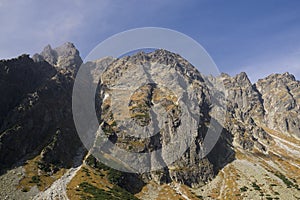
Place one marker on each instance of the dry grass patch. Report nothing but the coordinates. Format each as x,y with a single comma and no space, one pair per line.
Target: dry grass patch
282,135
88,175
34,176
232,190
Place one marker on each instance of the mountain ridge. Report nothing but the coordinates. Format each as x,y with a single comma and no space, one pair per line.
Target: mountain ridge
259,126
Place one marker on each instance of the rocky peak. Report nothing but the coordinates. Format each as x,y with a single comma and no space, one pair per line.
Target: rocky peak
166,57
278,80
285,76
163,57
49,55
164,86
224,75
65,58
36,104
159,55
280,93
289,76
243,79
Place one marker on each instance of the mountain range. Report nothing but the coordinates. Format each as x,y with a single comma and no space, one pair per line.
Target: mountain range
42,156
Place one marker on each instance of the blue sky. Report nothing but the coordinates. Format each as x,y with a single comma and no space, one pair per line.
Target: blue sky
258,37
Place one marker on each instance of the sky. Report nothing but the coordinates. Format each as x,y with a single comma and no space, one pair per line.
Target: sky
259,37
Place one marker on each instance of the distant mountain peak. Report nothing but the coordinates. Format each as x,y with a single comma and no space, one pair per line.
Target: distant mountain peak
64,57
243,78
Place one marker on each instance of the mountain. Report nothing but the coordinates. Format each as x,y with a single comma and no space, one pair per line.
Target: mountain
42,157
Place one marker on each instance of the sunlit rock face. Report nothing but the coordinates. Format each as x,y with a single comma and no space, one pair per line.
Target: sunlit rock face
165,106
281,99
156,104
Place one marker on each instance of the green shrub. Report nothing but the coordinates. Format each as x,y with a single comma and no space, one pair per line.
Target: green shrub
114,176
94,163
255,186
116,193
261,194
286,181
97,193
87,172
244,189
44,166
199,197
35,179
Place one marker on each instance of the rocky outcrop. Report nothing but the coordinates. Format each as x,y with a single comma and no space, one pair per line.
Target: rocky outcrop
36,109
281,98
165,88
245,112
19,77
65,58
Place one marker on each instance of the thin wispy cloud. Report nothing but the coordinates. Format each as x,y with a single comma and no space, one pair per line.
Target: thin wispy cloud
30,25
263,68
258,37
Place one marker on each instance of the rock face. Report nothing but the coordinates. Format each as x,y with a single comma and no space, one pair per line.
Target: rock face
245,112
36,116
165,88
158,92
64,58
245,109
19,77
281,99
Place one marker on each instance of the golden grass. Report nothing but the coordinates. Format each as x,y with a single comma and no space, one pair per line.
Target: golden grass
161,93
286,161
232,190
281,135
136,144
87,174
165,192
31,170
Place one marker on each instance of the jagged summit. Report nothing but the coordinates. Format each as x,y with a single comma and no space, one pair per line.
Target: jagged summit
243,78
280,77
159,56
64,57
